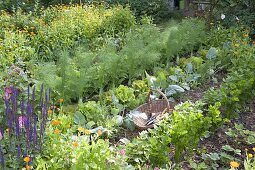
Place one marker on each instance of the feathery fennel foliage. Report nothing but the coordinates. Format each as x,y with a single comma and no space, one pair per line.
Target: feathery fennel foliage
183,37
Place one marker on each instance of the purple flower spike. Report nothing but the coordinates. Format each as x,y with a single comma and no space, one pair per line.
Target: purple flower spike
1,134
22,121
7,93
1,156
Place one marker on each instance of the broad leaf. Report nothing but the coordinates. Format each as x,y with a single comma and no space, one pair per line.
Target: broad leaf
79,118
212,53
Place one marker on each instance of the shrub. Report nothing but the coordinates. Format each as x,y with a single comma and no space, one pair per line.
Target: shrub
158,9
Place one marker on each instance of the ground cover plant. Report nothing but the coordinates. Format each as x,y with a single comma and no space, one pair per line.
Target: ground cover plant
100,63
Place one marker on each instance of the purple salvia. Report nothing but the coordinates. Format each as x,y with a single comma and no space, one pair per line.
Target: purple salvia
7,107
1,134
7,93
10,121
19,151
29,109
22,121
17,129
34,130
1,156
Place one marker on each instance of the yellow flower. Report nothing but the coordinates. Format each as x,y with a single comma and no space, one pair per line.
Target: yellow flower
253,149
32,33
245,35
50,111
8,130
245,149
61,100
56,131
81,129
75,144
26,159
234,164
250,155
87,131
236,45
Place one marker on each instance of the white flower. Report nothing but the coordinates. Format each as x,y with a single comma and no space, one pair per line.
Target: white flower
223,16
152,79
237,18
73,160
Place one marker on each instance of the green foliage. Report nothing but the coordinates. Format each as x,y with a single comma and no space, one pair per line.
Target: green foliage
150,148
189,125
225,37
85,72
195,61
93,156
184,37
40,33
238,87
241,132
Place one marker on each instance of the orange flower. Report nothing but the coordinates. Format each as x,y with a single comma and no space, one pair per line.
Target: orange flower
234,164
61,100
253,42
56,131
99,132
75,144
26,159
28,167
50,111
245,35
55,122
